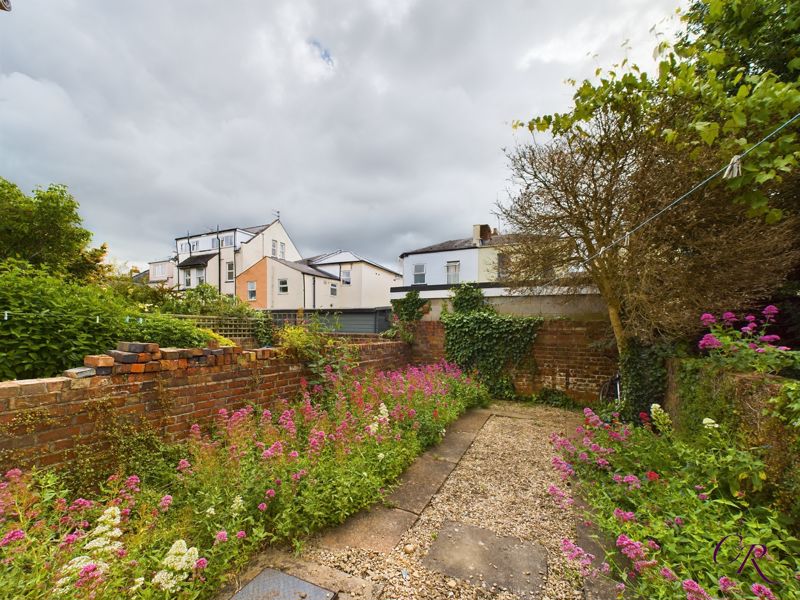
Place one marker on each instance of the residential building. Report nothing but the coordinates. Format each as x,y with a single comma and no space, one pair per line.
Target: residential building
162,272
434,270
218,257
336,280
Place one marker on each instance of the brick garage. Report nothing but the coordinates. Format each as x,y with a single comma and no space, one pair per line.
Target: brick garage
576,357
41,420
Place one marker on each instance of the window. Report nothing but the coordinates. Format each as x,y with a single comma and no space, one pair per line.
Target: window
227,241
195,245
453,270
251,290
283,286
159,270
184,247
201,276
419,274
274,247
502,266
346,277
187,278
230,271
334,289
214,243
283,250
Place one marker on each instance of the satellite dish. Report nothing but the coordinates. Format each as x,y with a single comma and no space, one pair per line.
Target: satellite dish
5,4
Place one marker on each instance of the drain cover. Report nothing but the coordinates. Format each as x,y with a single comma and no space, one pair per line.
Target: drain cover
274,585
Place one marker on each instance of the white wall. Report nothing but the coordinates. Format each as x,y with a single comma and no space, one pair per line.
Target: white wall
435,266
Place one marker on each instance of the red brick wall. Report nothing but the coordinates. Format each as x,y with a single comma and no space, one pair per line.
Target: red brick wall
572,356
42,420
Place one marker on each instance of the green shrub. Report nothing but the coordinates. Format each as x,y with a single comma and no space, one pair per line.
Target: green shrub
490,343
643,371
468,298
53,324
168,331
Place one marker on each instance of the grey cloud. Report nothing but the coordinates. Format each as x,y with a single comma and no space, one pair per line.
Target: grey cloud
168,116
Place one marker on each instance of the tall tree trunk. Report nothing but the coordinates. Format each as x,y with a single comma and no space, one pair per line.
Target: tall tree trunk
614,309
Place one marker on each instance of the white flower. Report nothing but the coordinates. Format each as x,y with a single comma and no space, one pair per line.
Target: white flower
110,516
137,583
373,428
211,512
166,580
710,423
181,558
383,411
381,456
237,506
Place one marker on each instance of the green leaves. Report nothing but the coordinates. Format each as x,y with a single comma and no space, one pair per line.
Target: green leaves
491,343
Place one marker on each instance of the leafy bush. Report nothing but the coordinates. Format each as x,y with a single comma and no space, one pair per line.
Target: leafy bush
262,476
643,371
490,343
168,331
53,324
468,298
668,503
553,397
406,312
324,354
205,299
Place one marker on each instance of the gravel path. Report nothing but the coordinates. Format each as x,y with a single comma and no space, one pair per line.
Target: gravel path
500,484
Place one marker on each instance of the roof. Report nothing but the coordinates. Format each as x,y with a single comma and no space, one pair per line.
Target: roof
346,256
141,276
196,260
460,244
255,230
303,268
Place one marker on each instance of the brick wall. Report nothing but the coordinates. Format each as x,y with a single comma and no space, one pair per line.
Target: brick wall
42,420
572,356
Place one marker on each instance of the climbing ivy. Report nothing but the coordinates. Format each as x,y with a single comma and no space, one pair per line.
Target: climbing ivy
643,368
492,344
468,298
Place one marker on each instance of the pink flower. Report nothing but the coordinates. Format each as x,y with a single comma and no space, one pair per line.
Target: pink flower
222,536
726,584
632,481
165,502
14,535
762,592
694,591
709,342
668,574
624,516
241,535
270,493
702,496
770,311
729,317
262,507
13,474
195,430
293,454
184,465
201,564
630,548
708,319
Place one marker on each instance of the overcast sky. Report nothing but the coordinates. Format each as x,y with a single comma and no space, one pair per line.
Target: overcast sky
375,126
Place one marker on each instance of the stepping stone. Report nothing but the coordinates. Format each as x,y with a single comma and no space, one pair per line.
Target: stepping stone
461,551
452,447
378,529
419,483
601,588
274,585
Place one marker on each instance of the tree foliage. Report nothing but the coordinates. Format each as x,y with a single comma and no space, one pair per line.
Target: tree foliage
632,143
45,230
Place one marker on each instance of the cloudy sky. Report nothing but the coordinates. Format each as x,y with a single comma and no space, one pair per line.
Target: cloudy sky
371,125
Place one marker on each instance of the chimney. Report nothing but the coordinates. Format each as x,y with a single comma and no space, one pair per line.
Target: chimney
481,234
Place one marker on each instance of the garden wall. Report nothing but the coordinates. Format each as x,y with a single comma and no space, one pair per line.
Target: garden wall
42,421
572,356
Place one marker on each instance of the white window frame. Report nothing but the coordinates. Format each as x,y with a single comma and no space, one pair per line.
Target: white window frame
251,290
454,275
230,270
275,248
184,246
215,243
283,285
187,278
334,289
227,241
283,250
200,272
346,279
417,272
195,245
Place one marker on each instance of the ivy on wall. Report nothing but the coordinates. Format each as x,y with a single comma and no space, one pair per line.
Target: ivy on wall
491,343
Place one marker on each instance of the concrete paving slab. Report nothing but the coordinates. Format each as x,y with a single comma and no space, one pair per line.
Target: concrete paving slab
452,447
378,529
601,588
419,483
272,584
478,555
470,422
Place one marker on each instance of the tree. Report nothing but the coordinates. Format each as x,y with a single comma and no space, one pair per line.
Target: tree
45,230
590,185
